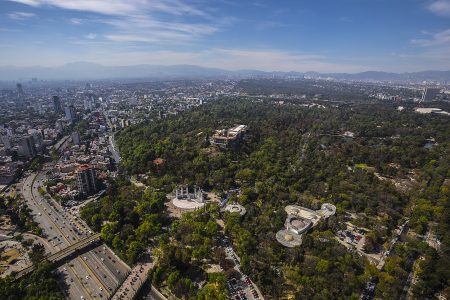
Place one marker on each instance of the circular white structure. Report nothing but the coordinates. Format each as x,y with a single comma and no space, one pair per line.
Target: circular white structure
327,210
288,239
187,204
188,198
236,208
297,225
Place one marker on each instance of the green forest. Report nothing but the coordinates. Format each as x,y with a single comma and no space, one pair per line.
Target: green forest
383,174
39,285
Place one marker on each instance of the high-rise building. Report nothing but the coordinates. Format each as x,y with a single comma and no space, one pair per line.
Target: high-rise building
89,102
57,104
19,89
38,140
124,123
71,114
59,126
20,94
10,131
6,142
429,94
27,146
76,137
86,179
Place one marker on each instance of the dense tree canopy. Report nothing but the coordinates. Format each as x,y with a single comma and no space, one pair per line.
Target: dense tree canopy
39,285
366,158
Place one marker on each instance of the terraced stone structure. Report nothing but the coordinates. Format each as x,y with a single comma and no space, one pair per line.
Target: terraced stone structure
299,221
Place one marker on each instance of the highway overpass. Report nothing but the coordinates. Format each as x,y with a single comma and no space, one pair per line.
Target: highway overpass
58,256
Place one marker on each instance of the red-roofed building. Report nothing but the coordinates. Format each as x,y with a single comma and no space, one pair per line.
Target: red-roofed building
158,161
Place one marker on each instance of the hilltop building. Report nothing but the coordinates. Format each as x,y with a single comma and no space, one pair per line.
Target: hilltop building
226,138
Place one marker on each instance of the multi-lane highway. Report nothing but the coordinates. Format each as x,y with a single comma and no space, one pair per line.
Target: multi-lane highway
94,274
64,253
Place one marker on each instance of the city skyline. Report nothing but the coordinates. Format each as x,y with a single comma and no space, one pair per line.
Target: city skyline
323,36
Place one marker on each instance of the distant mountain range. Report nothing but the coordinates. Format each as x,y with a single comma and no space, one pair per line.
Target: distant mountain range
92,71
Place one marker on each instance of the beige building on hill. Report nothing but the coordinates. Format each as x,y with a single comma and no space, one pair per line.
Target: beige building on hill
226,138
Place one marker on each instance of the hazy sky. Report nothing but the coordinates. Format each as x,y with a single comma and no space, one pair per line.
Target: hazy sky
284,35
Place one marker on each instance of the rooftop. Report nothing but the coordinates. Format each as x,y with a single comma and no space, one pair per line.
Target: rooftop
83,167
299,221
236,208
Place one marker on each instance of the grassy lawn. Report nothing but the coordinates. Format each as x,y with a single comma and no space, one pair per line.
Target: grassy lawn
9,256
365,167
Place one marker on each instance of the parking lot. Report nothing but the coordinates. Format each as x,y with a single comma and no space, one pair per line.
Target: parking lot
353,236
240,288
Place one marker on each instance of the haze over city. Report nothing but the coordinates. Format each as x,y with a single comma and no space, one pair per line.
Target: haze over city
322,36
